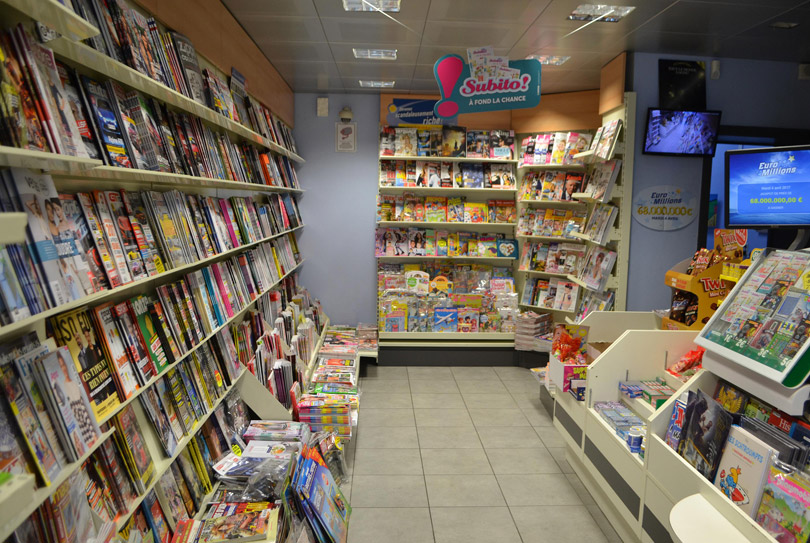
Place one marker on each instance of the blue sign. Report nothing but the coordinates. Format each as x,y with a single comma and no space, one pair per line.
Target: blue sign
405,111
515,87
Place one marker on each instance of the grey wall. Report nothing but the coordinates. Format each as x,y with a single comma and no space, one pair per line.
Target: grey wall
749,93
339,206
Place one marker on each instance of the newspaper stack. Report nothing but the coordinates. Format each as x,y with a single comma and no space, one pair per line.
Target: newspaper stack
529,326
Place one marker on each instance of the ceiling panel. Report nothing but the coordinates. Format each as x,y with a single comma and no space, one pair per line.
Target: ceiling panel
716,19
409,9
382,31
674,42
508,11
258,8
305,51
429,54
352,85
556,15
425,85
375,70
286,29
342,52
463,34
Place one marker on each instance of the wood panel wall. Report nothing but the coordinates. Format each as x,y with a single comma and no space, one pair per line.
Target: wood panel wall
218,37
611,84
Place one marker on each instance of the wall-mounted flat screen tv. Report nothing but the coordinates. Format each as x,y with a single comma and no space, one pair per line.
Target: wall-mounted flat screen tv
681,133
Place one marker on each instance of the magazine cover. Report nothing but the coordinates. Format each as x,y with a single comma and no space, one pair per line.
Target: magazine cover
76,332
785,502
74,229
743,469
115,350
136,449
502,144
405,142
709,425
454,140
253,526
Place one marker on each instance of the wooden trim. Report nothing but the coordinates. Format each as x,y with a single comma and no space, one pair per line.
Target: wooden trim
560,113
219,37
611,84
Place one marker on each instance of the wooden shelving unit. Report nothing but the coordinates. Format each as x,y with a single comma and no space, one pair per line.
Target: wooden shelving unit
496,227
55,15
471,193
452,159
13,157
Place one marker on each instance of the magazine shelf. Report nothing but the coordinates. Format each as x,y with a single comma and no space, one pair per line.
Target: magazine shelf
615,195
146,179
13,157
479,336
207,500
494,260
147,284
97,64
453,159
552,203
499,227
12,227
547,309
454,191
533,273
694,519
20,489
55,15
164,463
614,235
553,239
188,353
567,167
316,350
18,510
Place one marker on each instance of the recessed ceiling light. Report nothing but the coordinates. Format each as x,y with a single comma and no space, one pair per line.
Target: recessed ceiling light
375,54
371,5
554,60
374,84
784,25
601,12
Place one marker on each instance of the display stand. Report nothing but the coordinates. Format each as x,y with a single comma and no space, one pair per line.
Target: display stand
708,286
389,342
619,238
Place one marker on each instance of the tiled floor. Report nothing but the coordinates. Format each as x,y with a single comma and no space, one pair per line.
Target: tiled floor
462,455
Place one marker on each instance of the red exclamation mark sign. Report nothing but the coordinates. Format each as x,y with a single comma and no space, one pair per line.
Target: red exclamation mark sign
447,71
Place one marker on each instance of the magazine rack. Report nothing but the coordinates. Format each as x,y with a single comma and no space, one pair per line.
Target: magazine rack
18,499
621,196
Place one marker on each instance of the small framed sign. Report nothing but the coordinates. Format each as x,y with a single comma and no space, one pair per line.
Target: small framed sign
346,137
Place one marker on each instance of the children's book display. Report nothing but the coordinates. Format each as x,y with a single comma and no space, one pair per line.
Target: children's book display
412,208
442,243
470,175
446,298
756,455
446,141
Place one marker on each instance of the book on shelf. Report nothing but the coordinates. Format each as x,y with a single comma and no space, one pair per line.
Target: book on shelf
133,449
743,469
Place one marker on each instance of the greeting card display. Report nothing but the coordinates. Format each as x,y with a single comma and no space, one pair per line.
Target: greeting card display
764,324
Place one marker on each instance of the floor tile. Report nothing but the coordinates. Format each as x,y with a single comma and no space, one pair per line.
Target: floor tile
374,525
387,438
388,491
496,401
442,417
473,525
346,489
385,372
513,373
436,386
498,417
384,385
470,373
579,488
428,372
537,417
559,456
455,462
523,386
480,386
518,437
537,489
448,438
558,523
463,490
550,436
388,462
517,461
603,523
528,400
446,401
370,416
386,400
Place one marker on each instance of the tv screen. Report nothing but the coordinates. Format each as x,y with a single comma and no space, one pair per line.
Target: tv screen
681,133
768,187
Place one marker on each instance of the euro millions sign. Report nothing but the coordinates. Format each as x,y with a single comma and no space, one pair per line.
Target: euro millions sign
462,93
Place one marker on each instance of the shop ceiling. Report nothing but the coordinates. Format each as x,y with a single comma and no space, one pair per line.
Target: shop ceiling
311,42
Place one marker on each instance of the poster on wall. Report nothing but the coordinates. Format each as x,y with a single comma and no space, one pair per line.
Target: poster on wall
346,137
682,84
405,111
665,207
485,83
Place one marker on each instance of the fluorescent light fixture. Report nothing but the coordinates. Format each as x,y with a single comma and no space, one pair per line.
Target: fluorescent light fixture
371,5
553,60
375,54
784,25
601,12
375,84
